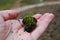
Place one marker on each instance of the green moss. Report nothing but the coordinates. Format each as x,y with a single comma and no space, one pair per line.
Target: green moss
30,23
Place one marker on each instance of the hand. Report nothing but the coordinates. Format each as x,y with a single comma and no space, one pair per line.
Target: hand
5,25
13,29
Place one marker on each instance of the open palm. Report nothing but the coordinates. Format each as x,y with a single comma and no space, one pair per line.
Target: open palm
17,31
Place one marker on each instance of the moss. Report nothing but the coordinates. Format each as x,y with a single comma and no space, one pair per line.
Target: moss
30,23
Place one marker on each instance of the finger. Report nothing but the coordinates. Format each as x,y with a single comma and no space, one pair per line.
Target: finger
9,14
37,16
42,25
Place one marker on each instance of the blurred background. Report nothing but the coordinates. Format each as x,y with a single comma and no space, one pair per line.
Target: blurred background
53,31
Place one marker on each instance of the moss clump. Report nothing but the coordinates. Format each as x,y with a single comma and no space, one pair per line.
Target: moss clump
29,23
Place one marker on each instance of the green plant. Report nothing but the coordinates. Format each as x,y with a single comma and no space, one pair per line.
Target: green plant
29,23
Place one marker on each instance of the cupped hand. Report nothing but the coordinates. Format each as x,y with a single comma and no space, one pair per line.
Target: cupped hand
14,30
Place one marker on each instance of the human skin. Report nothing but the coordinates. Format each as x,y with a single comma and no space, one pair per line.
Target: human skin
14,30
